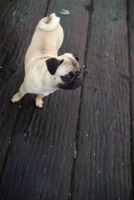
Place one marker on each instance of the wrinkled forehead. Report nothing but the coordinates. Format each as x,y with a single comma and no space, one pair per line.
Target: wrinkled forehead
72,63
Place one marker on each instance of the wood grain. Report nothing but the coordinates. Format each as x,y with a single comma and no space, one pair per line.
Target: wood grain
103,165
131,45
40,157
17,21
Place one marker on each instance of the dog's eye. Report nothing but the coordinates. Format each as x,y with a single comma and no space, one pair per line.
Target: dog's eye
67,77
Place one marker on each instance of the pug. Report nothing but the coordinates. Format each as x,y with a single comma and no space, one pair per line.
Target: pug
45,71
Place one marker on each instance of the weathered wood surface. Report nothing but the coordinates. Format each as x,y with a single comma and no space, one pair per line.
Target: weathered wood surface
18,21
37,147
40,157
131,46
103,166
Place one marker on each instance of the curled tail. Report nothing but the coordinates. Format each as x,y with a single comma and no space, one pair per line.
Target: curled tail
49,23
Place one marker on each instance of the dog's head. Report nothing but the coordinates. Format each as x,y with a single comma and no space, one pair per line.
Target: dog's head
65,70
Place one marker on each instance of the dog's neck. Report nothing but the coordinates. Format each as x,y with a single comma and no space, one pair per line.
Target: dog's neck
45,56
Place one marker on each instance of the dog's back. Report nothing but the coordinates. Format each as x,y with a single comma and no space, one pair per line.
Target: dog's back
47,38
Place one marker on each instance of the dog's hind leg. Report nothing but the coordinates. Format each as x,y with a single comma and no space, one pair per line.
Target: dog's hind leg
38,101
19,95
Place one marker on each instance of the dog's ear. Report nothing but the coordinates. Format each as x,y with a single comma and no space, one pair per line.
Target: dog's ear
52,65
76,58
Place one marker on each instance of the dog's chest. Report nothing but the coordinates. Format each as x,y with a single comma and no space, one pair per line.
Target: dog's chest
46,90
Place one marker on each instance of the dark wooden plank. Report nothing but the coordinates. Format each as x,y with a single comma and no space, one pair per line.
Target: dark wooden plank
17,20
103,165
131,46
40,158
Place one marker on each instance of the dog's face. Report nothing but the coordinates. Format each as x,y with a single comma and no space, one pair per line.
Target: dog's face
65,71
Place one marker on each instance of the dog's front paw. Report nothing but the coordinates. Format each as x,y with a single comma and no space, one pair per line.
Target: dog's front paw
16,97
39,103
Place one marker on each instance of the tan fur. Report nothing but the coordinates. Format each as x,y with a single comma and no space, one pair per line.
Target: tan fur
44,45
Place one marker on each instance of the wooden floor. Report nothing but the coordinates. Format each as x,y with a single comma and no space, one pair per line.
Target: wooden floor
80,145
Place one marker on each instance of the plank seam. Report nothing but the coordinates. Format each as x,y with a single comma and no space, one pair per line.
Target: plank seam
90,9
11,137
130,92
47,8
